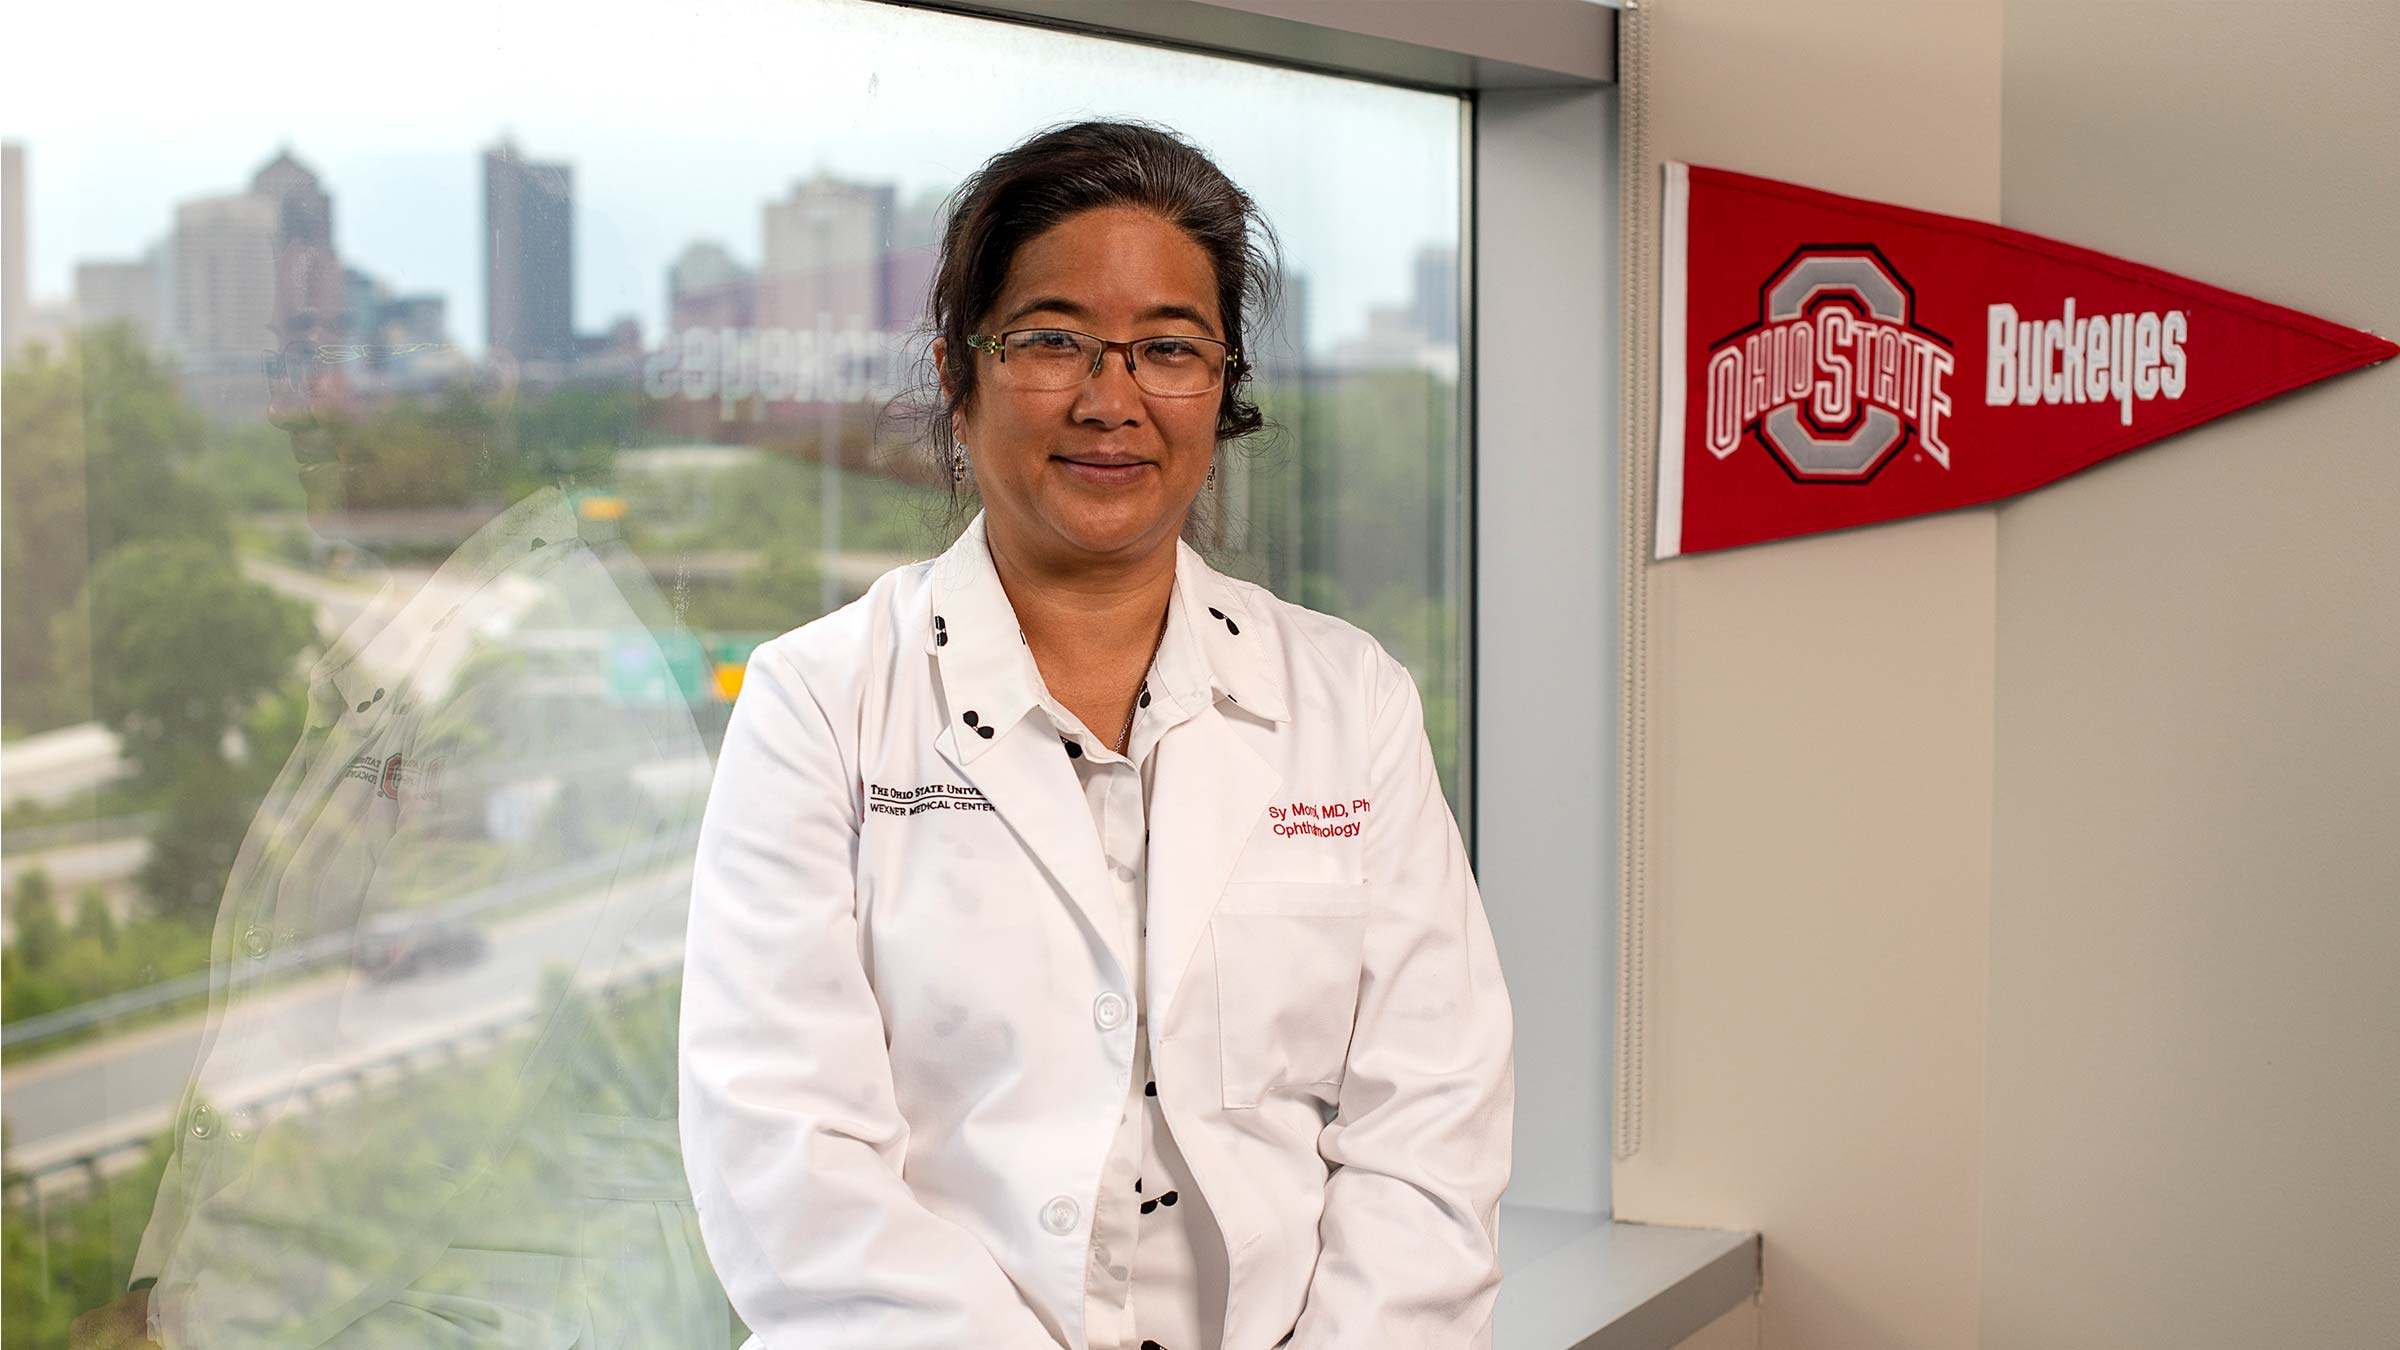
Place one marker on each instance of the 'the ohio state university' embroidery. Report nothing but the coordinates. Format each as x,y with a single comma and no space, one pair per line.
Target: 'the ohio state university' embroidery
931,797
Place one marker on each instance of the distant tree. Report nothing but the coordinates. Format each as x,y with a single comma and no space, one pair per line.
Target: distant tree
33,919
94,921
193,849
97,436
181,646
268,735
573,432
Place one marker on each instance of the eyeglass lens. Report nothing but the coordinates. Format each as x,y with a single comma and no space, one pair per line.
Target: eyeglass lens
1055,358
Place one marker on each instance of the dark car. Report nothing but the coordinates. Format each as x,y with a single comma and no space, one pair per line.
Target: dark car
397,951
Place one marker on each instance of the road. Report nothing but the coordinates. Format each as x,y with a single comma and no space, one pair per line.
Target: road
338,601
62,1105
72,867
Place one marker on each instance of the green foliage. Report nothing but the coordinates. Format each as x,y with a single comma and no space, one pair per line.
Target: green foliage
97,439
467,444
414,454
48,966
61,1259
193,850
248,467
95,923
33,915
1357,513
781,592
207,805
780,501
69,1255
182,645
756,534
270,731
573,432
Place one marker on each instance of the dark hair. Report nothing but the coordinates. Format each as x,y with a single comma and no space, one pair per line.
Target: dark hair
1060,172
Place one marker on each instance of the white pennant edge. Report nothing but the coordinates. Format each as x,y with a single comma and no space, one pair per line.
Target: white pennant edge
1668,527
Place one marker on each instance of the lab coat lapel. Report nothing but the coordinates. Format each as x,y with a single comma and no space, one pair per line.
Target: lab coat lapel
1026,777
1207,797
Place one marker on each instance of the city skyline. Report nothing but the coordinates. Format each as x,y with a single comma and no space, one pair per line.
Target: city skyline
851,249
779,89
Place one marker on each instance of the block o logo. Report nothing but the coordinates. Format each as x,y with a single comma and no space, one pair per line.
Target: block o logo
1836,375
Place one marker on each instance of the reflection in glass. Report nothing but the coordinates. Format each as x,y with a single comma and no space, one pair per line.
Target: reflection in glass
293,381
434,1097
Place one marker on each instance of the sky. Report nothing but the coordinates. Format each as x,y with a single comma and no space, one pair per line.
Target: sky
680,119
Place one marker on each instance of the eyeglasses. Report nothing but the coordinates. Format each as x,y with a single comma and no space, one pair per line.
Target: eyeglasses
292,364
1169,366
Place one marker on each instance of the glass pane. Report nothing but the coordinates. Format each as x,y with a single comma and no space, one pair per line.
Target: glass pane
406,440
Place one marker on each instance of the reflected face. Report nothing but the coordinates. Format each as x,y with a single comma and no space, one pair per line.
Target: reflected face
1101,469
354,447
308,400
310,403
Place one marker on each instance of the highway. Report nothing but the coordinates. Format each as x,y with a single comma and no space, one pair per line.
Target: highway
62,1106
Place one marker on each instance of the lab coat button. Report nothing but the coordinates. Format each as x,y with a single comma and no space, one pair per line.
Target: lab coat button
1108,1011
255,941
1060,1214
204,1122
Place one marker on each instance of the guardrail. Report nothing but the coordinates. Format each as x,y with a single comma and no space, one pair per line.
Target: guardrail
94,1159
114,1154
330,948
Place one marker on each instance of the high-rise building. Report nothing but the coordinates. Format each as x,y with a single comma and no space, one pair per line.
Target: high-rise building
224,263
310,280
707,288
1434,292
363,299
909,263
703,265
372,312
413,318
529,257
14,302
1278,341
131,293
303,209
823,254
222,302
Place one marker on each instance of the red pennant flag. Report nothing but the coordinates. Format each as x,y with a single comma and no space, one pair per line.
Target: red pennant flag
1830,362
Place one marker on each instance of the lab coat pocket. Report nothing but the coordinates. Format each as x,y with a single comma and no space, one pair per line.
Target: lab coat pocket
1287,957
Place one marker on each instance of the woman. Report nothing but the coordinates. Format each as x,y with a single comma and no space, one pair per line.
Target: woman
1081,951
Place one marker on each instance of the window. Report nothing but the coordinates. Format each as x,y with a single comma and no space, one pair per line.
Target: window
410,426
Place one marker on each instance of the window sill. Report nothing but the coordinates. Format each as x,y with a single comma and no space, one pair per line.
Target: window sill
1582,1282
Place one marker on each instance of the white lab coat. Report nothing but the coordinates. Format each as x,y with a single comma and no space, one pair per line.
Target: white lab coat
904,1045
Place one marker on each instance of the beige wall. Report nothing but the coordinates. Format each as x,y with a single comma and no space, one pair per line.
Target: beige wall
1820,757
2193,1065
2024,928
